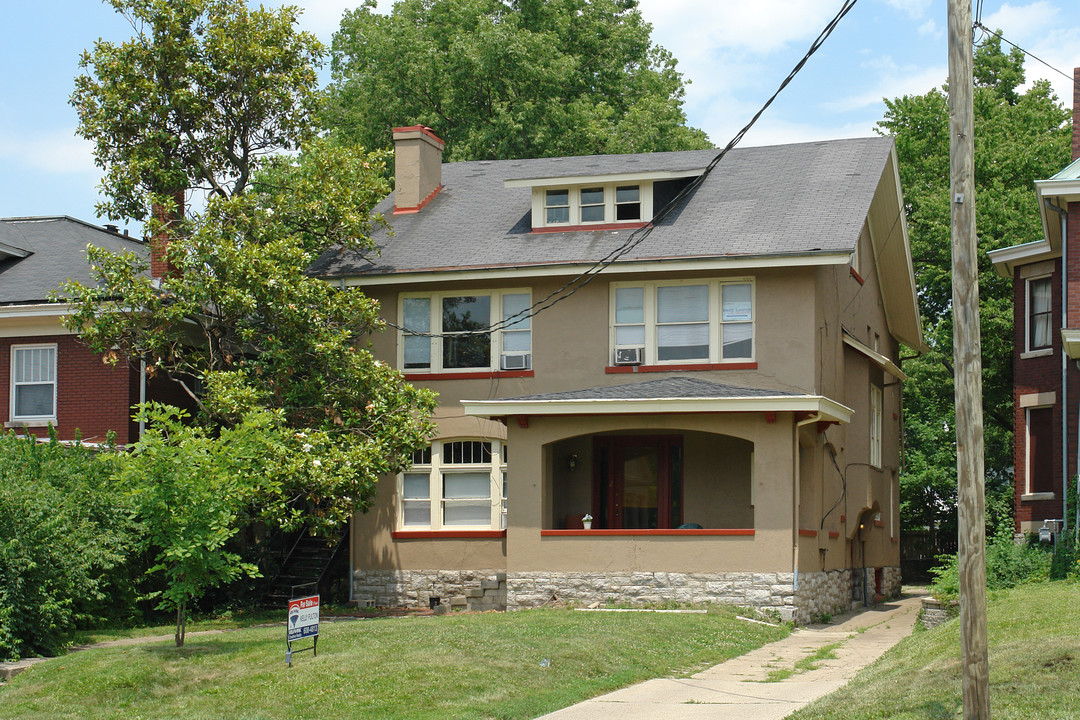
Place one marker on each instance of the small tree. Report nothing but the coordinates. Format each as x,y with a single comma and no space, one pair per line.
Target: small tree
189,489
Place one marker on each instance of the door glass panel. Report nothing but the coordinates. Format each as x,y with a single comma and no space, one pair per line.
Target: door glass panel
640,486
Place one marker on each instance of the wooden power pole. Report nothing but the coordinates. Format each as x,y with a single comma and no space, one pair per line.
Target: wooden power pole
968,363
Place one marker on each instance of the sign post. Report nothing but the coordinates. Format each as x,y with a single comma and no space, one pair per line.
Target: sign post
303,623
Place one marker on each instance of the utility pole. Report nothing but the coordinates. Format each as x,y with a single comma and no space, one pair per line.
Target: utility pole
968,363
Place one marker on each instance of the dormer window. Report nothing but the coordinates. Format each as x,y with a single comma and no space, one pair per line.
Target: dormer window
557,207
592,205
597,202
627,203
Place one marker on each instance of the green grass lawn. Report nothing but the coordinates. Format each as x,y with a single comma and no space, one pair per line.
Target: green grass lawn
1034,635
489,665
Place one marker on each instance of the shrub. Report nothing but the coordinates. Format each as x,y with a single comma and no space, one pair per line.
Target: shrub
64,539
1008,564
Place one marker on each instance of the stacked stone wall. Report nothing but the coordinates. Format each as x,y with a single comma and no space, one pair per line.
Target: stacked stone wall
764,591
460,589
821,594
891,582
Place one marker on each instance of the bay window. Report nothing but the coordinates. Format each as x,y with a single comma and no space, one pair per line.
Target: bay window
707,321
455,484
446,332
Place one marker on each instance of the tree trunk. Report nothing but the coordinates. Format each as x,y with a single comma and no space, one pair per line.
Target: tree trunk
181,624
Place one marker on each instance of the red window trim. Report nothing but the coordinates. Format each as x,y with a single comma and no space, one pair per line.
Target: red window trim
476,375
807,533
595,226
631,532
615,369
833,534
445,534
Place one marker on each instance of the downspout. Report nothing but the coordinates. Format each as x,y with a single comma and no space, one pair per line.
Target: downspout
796,453
142,396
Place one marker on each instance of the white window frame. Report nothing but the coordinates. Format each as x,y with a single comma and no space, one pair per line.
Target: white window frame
498,337
32,419
1028,311
439,468
876,411
645,201
715,315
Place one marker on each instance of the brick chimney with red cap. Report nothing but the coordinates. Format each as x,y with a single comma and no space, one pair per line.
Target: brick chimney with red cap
417,167
159,244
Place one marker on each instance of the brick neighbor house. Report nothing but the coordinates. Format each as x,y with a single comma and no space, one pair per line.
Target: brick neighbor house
47,376
1046,348
722,398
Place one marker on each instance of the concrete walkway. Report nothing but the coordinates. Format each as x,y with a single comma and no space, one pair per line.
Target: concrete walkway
738,689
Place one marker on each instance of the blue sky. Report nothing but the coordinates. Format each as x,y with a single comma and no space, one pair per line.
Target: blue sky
733,53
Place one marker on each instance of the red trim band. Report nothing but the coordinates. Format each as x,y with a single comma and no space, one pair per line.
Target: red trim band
446,534
420,129
807,533
597,226
628,532
833,534
615,369
417,208
856,275
879,523
480,375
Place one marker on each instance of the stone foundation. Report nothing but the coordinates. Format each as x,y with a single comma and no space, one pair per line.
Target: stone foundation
460,589
764,591
818,593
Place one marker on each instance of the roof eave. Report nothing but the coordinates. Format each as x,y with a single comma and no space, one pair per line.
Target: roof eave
830,410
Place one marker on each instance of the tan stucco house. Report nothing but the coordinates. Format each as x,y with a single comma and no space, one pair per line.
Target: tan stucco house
718,388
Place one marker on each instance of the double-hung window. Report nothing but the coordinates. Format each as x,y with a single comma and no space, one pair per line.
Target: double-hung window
451,332
875,425
1040,313
33,383
455,484
683,322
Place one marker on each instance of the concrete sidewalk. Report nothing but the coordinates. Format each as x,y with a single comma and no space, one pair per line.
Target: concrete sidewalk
736,689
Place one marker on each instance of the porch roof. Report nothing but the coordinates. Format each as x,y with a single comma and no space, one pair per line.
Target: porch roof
666,395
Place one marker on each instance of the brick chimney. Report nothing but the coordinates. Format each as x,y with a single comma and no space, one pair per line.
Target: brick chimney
159,244
1076,114
417,167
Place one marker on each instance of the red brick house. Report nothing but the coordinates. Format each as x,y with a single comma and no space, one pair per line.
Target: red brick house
48,377
1046,327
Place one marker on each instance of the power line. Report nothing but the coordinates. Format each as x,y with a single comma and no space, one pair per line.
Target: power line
638,236
1031,55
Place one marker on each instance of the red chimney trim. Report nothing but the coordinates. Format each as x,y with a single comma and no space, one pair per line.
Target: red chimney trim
421,129
410,210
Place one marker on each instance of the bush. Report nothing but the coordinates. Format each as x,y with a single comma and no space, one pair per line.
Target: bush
1008,564
64,539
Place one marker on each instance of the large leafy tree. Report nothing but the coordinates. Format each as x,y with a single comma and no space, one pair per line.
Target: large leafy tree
509,78
207,95
1020,137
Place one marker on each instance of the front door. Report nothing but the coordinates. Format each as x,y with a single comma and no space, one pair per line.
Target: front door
637,481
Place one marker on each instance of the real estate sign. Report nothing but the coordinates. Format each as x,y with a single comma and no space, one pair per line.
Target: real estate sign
303,618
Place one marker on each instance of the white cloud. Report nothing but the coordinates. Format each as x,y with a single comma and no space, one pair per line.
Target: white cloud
323,17
929,28
893,81
914,8
1019,22
56,151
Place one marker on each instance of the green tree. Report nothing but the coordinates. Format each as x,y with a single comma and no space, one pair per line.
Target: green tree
1019,138
509,78
203,96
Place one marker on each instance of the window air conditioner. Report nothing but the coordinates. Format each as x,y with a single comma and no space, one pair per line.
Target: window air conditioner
629,356
518,361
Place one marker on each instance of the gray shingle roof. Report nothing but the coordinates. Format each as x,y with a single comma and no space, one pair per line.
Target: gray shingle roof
670,388
795,199
57,247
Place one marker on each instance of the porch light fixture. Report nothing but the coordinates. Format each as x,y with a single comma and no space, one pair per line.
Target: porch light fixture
571,462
